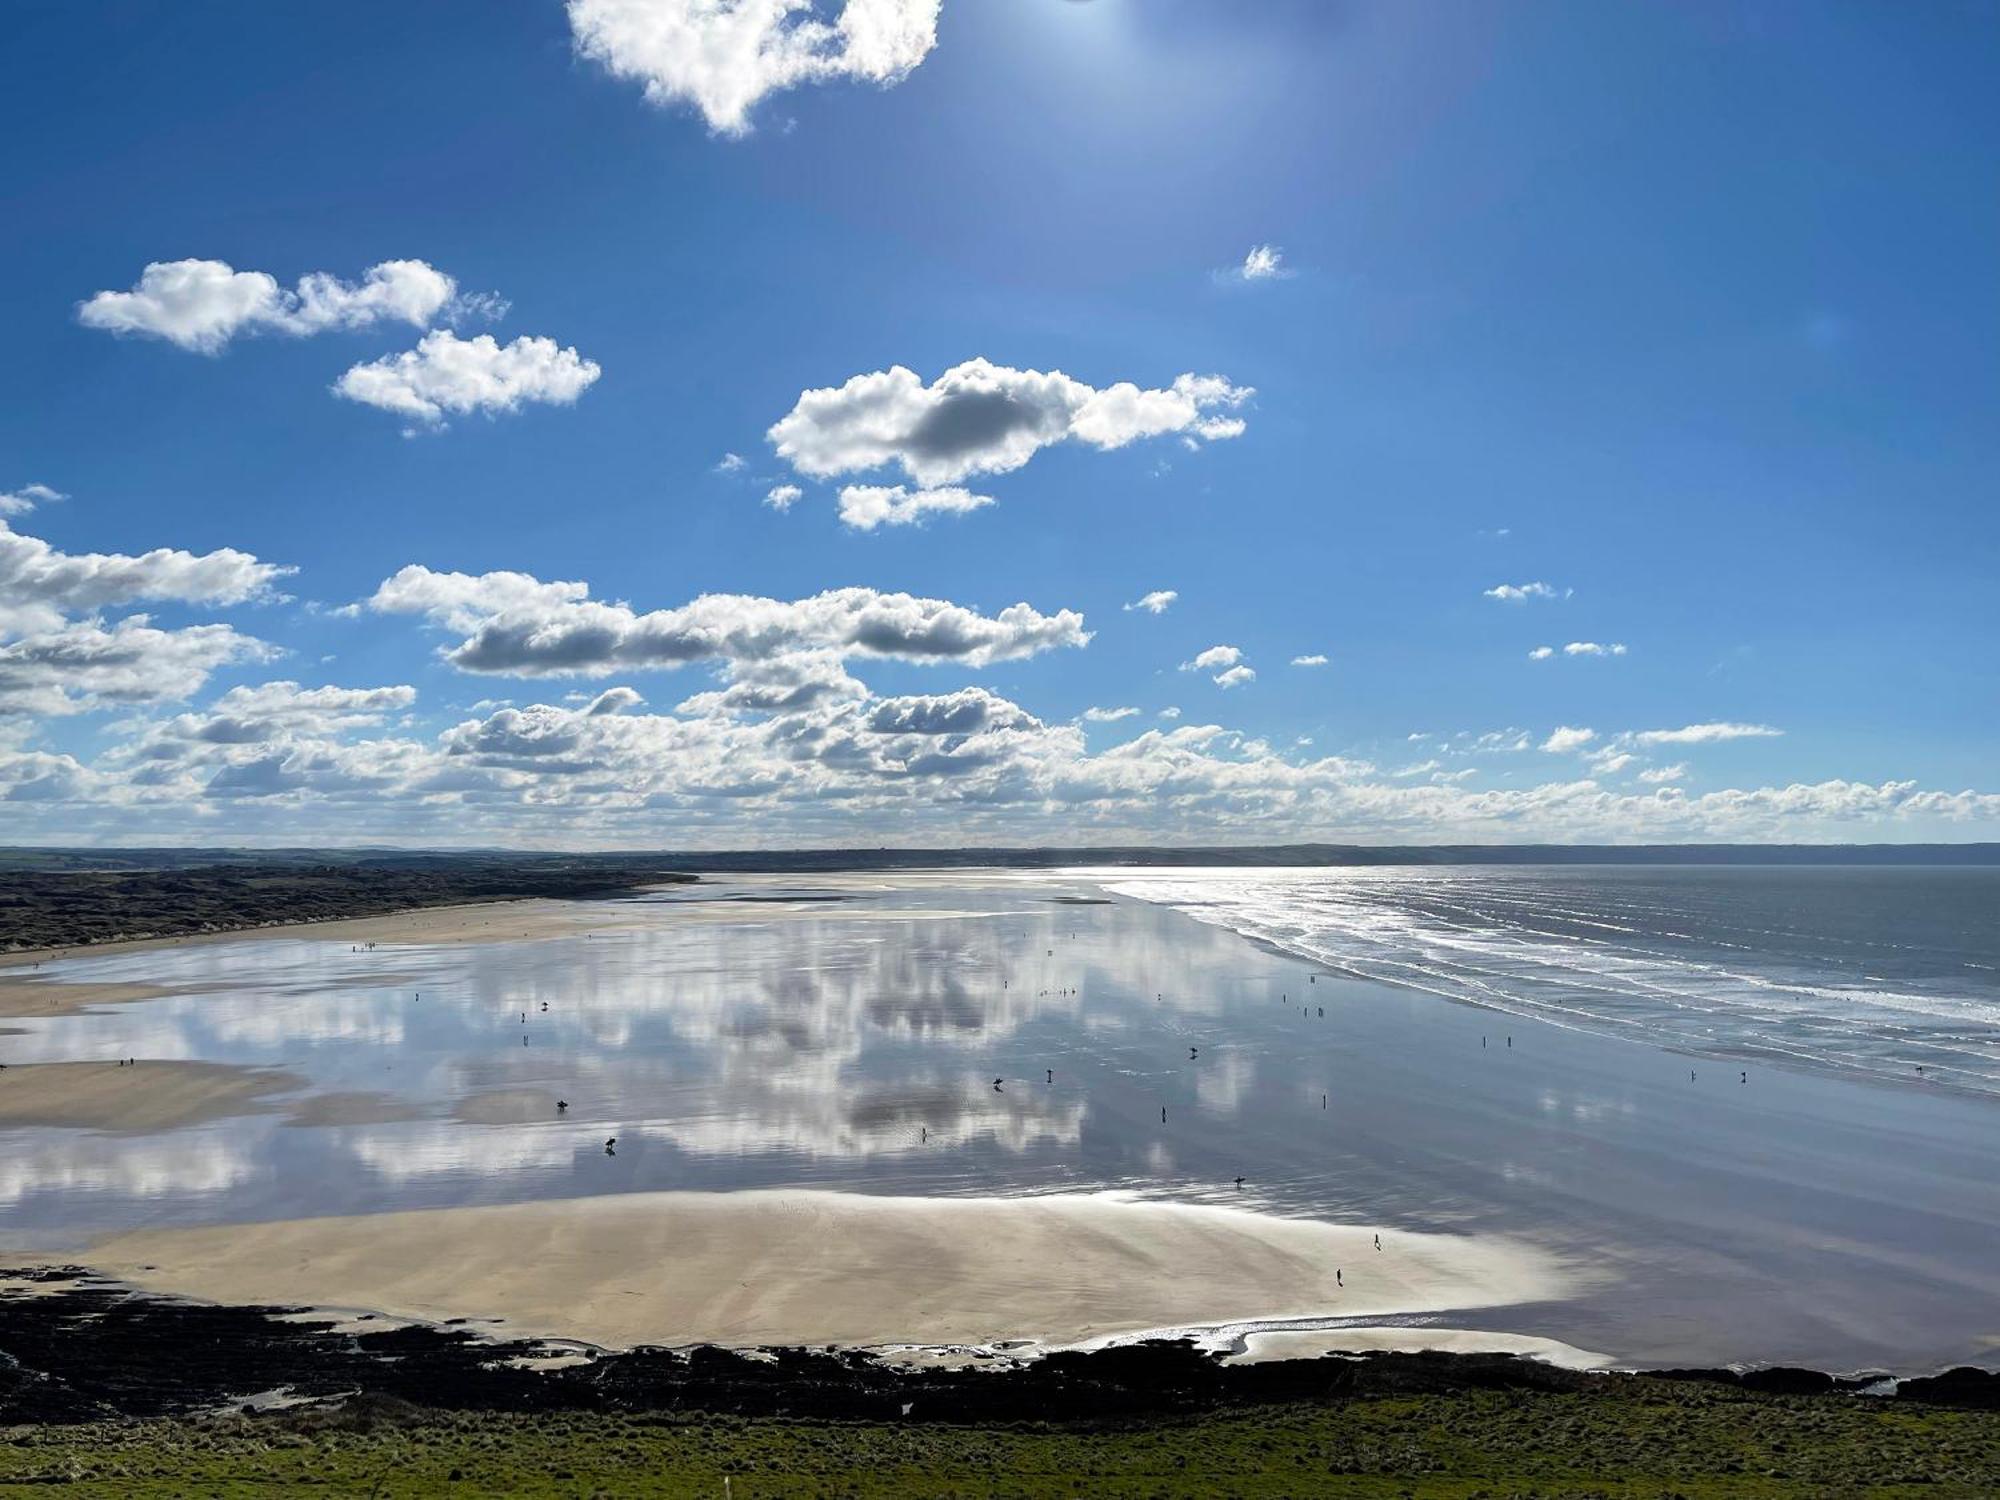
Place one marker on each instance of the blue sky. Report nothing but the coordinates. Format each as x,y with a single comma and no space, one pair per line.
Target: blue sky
1687,313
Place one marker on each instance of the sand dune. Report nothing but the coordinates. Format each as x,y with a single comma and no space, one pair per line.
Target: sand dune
794,1267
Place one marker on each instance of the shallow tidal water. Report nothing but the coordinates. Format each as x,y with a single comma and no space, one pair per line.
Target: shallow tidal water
767,1032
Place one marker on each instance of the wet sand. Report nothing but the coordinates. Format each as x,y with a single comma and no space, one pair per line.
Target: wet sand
806,1267
150,1095
24,995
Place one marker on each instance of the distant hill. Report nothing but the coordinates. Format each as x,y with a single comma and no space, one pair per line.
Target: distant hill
24,859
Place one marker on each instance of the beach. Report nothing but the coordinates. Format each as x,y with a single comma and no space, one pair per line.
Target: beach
798,1267
963,1108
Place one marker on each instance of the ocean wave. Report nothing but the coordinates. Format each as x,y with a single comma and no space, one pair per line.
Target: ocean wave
1762,963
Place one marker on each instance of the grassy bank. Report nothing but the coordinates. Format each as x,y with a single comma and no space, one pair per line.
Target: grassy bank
1641,1439
75,908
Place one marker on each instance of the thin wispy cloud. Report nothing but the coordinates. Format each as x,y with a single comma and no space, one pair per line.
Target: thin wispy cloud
1566,739
1520,593
1579,648
1263,263
1706,734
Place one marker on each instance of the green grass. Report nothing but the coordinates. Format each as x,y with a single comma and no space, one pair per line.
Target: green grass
1649,1441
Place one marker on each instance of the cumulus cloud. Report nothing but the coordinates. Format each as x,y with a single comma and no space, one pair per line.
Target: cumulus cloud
40,584
1541,653
867,506
86,664
1661,775
964,765
1519,593
446,373
1108,715
723,56
982,418
519,625
1212,658
1155,603
202,304
1315,660
1170,712
1567,738
1703,734
270,711
783,497
1235,677
26,498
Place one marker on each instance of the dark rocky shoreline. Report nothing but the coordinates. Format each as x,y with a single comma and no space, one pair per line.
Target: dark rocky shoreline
96,1350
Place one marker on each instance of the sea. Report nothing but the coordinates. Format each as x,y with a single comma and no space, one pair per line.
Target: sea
1889,973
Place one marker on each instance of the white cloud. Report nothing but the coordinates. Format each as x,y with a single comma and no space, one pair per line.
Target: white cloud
982,418
1317,659
445,373
1235,677
1517,593
39,584
1593,648
1108,715
1212,658
783,497
867,506
1541,653
730,463
1263,263
1155,603
1703,734
723,56
1661,775
84,664
285,710
1170,712
203,304
964,764
1608,762
26,498
1566,739
517,624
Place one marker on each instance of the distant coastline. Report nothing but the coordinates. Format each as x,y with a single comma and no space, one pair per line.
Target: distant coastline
29,858
66,908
